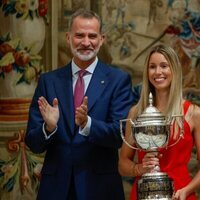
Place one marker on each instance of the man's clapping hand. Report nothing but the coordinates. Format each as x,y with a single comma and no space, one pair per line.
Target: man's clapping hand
81,117
49,113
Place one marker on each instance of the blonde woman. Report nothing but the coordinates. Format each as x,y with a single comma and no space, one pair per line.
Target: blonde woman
163,78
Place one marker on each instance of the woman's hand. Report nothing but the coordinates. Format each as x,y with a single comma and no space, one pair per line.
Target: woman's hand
150,162
180,195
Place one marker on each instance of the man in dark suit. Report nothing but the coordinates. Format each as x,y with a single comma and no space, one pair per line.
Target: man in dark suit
81,144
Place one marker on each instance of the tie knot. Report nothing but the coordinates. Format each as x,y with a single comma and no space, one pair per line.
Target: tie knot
82,72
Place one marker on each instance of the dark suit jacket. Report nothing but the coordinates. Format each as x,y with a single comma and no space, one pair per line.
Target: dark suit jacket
91,161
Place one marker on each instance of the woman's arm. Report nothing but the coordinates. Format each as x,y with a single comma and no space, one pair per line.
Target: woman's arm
193,120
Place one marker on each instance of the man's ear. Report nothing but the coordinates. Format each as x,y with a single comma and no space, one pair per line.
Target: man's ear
102,38
68,39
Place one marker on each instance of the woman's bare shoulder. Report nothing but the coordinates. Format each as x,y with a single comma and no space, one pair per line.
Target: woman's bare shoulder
194,111
193,116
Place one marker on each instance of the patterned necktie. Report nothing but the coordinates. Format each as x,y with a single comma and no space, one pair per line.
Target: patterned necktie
79,89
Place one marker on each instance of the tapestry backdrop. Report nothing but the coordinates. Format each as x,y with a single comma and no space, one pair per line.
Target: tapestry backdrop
32,41
132,27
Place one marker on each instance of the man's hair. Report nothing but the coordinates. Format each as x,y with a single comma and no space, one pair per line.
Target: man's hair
87,14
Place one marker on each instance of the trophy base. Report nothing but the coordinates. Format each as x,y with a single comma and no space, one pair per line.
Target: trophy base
155,185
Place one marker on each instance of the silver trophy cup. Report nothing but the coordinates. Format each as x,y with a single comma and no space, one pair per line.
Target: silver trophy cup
151,132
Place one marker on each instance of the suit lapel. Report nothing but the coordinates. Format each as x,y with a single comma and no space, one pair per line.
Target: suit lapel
97,84
65,96
64,90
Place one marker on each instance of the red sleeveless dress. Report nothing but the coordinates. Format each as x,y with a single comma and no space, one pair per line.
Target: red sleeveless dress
175,160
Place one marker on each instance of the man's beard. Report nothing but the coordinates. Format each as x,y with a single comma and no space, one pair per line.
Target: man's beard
81,56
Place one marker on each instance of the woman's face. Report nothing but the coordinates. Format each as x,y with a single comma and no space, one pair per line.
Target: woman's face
159,72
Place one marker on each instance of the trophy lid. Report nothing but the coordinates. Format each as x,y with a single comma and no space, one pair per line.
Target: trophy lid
151,115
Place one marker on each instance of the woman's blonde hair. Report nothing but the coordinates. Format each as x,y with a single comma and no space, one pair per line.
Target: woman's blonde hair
174,105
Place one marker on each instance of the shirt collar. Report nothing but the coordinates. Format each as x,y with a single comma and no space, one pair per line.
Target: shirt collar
89,69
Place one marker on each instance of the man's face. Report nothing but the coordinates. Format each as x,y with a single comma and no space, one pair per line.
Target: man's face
85,39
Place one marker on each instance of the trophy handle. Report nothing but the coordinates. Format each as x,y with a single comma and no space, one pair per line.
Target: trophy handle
122,135
181,135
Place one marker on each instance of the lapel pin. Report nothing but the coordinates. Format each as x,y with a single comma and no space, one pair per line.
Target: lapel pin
102,82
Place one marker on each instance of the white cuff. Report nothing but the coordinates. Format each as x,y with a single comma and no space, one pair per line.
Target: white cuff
86,130
45,134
